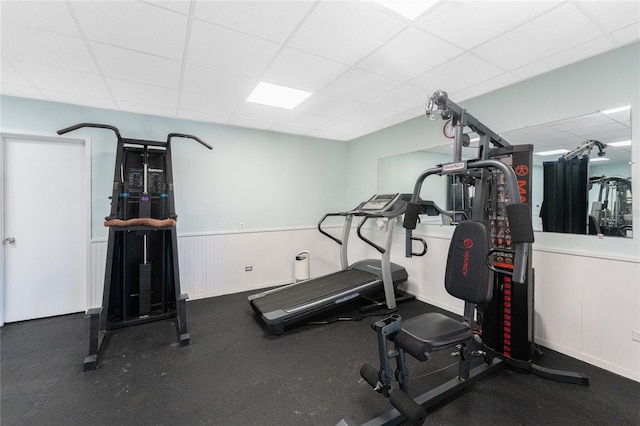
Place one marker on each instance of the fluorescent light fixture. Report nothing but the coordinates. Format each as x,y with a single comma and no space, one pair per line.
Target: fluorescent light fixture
614,110
277,96
410,9
619,144
594,159
552,152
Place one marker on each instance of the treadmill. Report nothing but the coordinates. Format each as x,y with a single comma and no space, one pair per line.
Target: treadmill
281,307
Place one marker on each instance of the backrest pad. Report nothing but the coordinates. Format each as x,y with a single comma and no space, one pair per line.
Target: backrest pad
467,275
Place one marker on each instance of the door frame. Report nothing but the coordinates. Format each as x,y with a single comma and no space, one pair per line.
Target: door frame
86,229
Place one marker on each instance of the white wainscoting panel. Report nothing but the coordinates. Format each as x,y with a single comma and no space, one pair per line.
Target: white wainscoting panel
214,264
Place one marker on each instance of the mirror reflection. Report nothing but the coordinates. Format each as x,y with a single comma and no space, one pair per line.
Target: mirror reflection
597,200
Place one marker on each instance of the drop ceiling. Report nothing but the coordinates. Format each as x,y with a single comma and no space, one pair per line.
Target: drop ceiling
367,66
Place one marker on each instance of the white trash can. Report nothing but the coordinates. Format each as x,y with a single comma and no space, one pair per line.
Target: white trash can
301,265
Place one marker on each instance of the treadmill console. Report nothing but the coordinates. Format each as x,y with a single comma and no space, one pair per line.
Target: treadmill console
379,203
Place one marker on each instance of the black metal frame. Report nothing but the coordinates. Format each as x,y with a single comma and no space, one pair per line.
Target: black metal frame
130,246
490,164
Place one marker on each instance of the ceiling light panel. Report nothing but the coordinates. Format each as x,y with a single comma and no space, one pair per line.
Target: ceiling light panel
134,25
277,96
345,31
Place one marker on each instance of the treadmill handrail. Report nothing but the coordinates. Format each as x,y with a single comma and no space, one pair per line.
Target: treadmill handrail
325,233
398,208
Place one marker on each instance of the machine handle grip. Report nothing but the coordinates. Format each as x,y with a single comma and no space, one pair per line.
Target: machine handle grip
325,233
424,246
182,135
365,239
411,216
98,126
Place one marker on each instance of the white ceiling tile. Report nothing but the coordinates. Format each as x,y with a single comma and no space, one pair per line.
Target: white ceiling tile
36,47
209,46
410,53
360,86
79,99
486,86
367,114
21,91
342,126
67,81
253,124
566,57
300,70
287,128
10,75
464,71
134,25
612,15
216,83
326,105
51,16
627,34
470,23
201,116
304,120
181,6
147,109
403,98
143,93
273,20
325,134
540,38
116,62
258,112
398,118
205,103
345,31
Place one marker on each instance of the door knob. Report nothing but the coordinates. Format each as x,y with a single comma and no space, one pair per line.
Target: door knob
9,240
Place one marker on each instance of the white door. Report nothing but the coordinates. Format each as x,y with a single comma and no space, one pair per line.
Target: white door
45,227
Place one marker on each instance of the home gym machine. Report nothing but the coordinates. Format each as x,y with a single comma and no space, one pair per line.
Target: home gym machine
488,267
293,303
611,213
142,281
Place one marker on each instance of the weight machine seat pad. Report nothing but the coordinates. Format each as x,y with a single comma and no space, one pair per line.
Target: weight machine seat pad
145,221
431,332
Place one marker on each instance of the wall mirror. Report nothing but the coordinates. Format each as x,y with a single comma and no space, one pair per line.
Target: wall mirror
609,191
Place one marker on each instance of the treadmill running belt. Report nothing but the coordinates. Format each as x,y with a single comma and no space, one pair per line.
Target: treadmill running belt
312,290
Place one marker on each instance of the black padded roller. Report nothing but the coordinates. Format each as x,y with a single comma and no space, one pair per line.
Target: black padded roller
370,374
411,410
411,215
520,223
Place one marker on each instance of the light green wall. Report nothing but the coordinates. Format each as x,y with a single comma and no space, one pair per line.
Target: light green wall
608,80
263,179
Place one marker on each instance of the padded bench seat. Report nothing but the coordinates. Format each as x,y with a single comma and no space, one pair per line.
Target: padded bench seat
431,332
